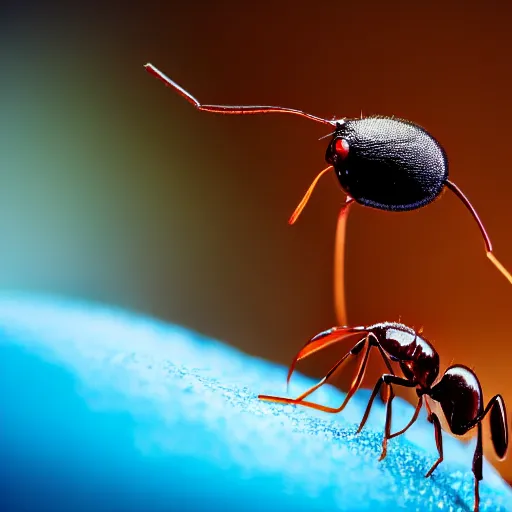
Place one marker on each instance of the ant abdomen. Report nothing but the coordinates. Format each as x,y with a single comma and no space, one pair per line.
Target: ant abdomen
461,399
388,163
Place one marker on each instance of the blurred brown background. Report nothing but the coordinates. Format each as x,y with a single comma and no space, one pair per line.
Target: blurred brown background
113,188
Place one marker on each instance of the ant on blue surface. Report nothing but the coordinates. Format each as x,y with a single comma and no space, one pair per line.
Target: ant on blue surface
454,401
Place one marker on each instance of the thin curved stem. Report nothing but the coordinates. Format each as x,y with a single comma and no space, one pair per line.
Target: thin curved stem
340,302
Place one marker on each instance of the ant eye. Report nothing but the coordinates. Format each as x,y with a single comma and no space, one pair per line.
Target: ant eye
341,148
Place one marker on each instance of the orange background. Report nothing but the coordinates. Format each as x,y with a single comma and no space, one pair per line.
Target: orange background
113,188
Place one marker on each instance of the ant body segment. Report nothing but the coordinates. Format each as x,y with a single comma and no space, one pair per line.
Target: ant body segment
454,401
382,162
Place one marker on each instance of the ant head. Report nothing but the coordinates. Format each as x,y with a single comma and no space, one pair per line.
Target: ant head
344,155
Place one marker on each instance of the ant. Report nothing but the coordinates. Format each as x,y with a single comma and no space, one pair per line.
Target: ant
382,162
454,401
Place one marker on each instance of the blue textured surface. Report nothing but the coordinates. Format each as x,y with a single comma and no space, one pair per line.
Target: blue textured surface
107,411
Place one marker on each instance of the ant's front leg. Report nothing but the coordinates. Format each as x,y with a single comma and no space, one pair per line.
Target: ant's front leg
355,351
356,383
387,379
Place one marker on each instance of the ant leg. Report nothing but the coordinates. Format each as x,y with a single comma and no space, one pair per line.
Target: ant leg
385,392
429,411
385,379
477,466
387,425
356,383
387,430
321,341
339,263
305,199
439,443
225,109
488,246
353,352
499,436
411,421
498,422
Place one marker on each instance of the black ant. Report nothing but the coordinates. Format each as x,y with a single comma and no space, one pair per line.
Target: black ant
382,162
454,402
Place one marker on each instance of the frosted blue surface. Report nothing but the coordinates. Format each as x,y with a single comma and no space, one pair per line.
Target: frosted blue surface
103,410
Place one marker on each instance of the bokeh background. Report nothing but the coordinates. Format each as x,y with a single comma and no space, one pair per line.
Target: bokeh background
114,189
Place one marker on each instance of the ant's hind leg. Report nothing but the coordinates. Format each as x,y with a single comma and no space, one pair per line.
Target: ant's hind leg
477,466
499,437
488,246
439,442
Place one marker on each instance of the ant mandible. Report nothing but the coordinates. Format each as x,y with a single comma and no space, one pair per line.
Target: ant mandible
454,402
381,162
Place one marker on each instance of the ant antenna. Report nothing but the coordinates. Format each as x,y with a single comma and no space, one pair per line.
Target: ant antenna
325,136
226,109
488,246
307,195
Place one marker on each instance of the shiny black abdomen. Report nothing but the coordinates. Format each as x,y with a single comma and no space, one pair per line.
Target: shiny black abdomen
460,396
392,164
